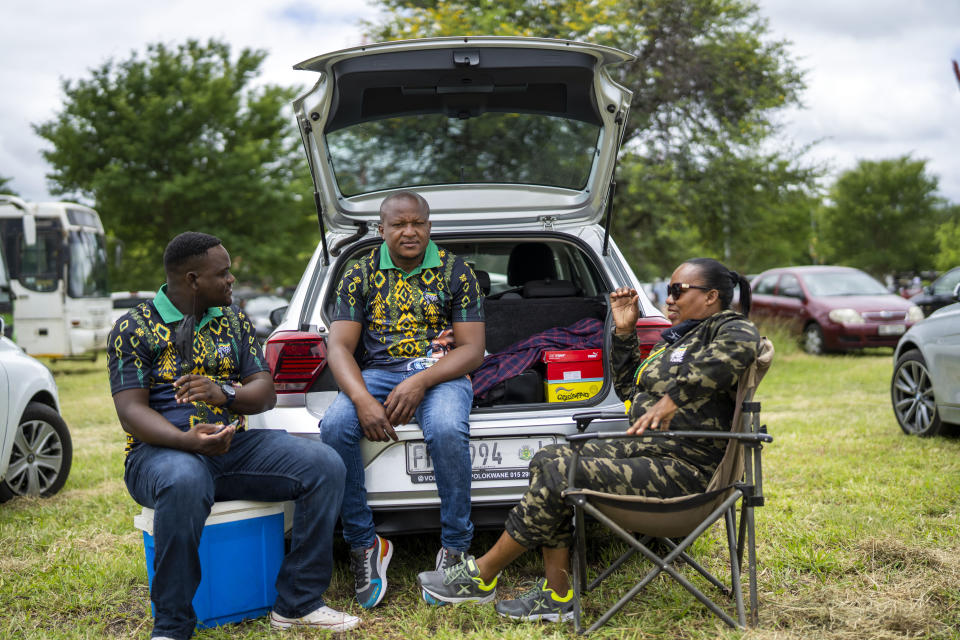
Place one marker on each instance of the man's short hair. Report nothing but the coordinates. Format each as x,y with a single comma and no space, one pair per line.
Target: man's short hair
406,195
186,246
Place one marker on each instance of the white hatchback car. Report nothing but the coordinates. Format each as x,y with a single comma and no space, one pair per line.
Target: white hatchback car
513,142
35,446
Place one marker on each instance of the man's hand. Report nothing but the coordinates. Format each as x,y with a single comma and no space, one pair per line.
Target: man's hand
374,422
657,417
209,439
623,305
197,388
403,401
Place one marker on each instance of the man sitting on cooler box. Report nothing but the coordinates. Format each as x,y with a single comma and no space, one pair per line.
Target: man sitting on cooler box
185,369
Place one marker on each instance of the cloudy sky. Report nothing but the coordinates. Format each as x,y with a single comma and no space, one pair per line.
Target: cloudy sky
879,75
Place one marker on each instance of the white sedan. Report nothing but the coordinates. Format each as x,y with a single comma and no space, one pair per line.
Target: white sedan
35,446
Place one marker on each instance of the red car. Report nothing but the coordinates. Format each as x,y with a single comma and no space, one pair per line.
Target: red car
835,308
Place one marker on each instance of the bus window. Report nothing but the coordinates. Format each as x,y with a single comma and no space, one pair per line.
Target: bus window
88,265
38,268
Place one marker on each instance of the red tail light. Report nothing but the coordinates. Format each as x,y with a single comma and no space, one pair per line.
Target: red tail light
648,331
296,359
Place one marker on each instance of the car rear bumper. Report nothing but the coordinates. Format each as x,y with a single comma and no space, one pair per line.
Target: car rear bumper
392,486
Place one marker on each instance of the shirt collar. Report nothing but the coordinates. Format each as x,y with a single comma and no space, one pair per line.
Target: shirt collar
431,259
169,313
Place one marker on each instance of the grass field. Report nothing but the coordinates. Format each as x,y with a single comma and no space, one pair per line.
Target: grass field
859,538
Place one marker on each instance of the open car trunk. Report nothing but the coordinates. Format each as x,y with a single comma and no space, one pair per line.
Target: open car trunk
533,285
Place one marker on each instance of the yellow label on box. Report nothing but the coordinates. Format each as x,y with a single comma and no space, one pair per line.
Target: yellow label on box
569,391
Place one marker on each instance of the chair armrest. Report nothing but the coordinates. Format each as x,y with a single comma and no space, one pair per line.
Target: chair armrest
584,419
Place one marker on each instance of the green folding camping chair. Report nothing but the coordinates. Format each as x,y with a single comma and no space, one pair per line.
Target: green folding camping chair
641,520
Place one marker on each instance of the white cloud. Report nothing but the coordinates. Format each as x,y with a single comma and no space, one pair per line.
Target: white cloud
878,71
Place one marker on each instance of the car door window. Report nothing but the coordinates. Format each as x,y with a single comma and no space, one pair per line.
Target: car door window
790,286
766,285
946,284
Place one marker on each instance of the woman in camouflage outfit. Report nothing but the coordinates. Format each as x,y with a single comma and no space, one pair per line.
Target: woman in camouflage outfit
688,382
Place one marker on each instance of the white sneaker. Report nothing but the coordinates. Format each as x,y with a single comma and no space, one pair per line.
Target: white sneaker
322,618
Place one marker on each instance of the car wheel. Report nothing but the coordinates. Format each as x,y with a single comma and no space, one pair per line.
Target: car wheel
911,391
41,456
813,339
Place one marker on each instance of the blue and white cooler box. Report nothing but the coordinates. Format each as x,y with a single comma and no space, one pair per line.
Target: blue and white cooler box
241,550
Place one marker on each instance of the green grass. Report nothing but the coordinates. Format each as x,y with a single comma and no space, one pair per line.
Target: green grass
859,538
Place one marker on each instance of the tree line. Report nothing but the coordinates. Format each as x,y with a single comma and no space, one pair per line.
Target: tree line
178,137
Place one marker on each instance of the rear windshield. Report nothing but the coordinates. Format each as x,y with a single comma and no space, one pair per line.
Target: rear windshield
851,283
433,149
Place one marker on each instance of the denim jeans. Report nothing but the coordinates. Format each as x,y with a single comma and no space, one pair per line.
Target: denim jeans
261,465
444,418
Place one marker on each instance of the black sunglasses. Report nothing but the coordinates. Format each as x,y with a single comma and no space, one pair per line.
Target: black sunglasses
676,289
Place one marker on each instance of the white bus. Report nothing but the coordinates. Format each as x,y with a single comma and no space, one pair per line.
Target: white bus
56,262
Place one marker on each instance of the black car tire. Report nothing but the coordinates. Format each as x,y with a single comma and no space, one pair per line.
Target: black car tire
41,456
813,339
911,392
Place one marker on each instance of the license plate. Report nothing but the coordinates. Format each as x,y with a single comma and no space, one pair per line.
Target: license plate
490,458
891,329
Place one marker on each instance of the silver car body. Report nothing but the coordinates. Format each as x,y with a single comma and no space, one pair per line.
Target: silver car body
938,340
488,212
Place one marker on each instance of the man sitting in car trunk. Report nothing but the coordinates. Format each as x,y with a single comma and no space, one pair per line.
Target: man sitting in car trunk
402,299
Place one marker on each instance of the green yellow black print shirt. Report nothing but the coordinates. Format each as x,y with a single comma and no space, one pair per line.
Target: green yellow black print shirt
404,314
141,355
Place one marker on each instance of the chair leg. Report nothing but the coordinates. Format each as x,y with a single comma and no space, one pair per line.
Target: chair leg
734,565
694,564
579,571
752,568
580,542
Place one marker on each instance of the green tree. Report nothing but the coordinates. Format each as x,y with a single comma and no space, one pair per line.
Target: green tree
5,186
176,140
948,239
707,81
882,217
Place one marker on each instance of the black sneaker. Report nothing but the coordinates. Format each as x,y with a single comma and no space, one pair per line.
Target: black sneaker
370,572
540,603
459,583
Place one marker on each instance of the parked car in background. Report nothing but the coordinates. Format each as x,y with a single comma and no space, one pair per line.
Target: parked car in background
123,301
513,143
925,387
35,446
258,309
833,308
938,293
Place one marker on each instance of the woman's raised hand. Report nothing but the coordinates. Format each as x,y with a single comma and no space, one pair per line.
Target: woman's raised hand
623,304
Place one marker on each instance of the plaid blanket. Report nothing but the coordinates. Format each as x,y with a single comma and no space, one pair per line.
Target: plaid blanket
515,359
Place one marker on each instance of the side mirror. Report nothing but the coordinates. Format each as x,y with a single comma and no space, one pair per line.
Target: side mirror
276,316
956,292
3,326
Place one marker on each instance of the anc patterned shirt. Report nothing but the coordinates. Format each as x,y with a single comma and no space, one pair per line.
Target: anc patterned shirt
141,354
404,314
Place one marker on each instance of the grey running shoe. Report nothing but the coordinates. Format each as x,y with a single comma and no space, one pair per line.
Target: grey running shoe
445,558
459,583
537,604
322,618
370,572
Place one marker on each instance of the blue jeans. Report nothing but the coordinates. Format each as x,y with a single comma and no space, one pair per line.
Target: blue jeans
261,465
444,418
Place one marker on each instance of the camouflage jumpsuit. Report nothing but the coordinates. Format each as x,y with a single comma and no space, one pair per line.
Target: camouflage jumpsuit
700,372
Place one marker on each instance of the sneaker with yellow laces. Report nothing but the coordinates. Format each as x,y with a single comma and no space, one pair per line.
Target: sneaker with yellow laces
458,583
